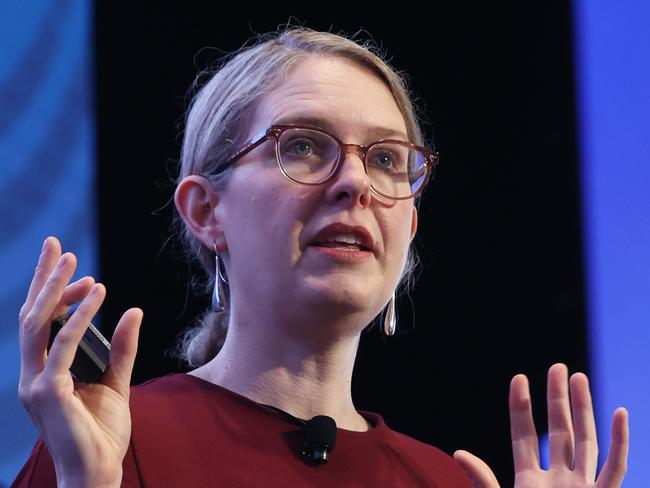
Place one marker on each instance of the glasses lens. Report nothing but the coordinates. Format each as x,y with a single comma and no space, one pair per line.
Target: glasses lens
396,170
307,156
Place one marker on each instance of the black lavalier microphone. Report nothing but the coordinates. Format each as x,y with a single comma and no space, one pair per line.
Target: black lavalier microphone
320,438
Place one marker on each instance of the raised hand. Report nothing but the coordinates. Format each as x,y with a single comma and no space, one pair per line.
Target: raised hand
572,439
86,427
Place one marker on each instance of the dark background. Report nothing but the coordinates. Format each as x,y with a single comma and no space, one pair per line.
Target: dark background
501,289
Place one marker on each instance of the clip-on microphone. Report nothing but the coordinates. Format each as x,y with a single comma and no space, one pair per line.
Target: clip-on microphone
320,438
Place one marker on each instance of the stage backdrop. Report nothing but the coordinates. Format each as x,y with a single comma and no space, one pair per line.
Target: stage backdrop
47,173
613,73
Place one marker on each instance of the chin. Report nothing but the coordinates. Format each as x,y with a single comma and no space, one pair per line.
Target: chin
338,297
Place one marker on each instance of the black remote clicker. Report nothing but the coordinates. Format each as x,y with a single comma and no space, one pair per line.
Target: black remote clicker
91,360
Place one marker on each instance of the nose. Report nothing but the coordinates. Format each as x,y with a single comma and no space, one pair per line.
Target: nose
351,183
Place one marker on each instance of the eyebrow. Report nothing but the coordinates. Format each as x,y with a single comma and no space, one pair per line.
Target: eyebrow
321,123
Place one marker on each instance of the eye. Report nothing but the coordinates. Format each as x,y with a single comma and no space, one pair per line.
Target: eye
299,147
385,160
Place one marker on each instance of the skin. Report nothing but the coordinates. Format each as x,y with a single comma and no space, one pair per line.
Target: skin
572,439
295,326
85,427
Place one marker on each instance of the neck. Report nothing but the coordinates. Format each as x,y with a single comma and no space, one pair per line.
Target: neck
302,375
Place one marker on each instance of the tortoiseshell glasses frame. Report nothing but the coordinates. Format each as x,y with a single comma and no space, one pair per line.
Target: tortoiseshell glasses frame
418,176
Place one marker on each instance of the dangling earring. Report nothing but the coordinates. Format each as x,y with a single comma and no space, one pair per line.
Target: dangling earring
218,301
390,319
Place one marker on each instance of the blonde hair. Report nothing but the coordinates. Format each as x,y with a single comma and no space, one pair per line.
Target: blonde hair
217,125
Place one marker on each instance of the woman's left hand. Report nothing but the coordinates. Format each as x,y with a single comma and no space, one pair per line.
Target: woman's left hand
572,439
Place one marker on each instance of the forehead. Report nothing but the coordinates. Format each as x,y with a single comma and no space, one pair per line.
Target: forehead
336,93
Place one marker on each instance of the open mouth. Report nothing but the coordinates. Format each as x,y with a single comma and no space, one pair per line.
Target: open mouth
344,238
344,242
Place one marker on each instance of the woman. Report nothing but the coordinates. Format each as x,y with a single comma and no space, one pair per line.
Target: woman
301,162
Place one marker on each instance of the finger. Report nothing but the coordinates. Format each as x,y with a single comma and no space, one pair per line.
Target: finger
68,338
35,328
560,426
611,476
72,294
525,446
586,442
48,258
476,470
124,348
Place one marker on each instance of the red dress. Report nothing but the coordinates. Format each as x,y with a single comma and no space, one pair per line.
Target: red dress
187,432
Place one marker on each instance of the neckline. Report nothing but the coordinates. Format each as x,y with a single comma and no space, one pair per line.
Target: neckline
374,420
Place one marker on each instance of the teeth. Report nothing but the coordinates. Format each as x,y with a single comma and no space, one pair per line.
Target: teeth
345,238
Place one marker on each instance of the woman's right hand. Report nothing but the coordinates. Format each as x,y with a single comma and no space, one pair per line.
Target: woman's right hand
86,427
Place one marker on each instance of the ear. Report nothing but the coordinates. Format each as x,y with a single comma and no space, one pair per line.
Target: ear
414,222
196,202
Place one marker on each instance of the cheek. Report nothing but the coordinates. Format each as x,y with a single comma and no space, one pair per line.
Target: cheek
273,223
397,235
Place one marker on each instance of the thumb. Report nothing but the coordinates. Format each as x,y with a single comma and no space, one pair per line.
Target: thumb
124,346
476,470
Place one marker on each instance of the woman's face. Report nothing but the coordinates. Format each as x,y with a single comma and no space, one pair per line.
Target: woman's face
277,233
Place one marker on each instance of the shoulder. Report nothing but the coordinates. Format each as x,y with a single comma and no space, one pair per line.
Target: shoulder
182,404
425,457
176,395
419,448
171,389
170,415
170,384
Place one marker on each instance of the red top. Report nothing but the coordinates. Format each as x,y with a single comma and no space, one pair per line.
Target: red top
187,432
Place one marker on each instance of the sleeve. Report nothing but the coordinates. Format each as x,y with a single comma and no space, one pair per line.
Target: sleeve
39,472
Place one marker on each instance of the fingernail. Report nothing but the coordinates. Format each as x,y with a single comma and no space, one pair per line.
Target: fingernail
63,260
44,245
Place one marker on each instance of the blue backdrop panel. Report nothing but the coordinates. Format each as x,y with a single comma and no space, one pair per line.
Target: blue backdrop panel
47,173
613,59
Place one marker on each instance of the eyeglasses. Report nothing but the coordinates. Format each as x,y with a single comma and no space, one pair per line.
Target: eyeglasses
397,169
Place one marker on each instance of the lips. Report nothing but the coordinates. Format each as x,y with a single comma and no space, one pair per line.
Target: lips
342,236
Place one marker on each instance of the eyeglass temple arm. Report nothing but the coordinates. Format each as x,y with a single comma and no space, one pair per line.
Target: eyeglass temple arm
254,141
